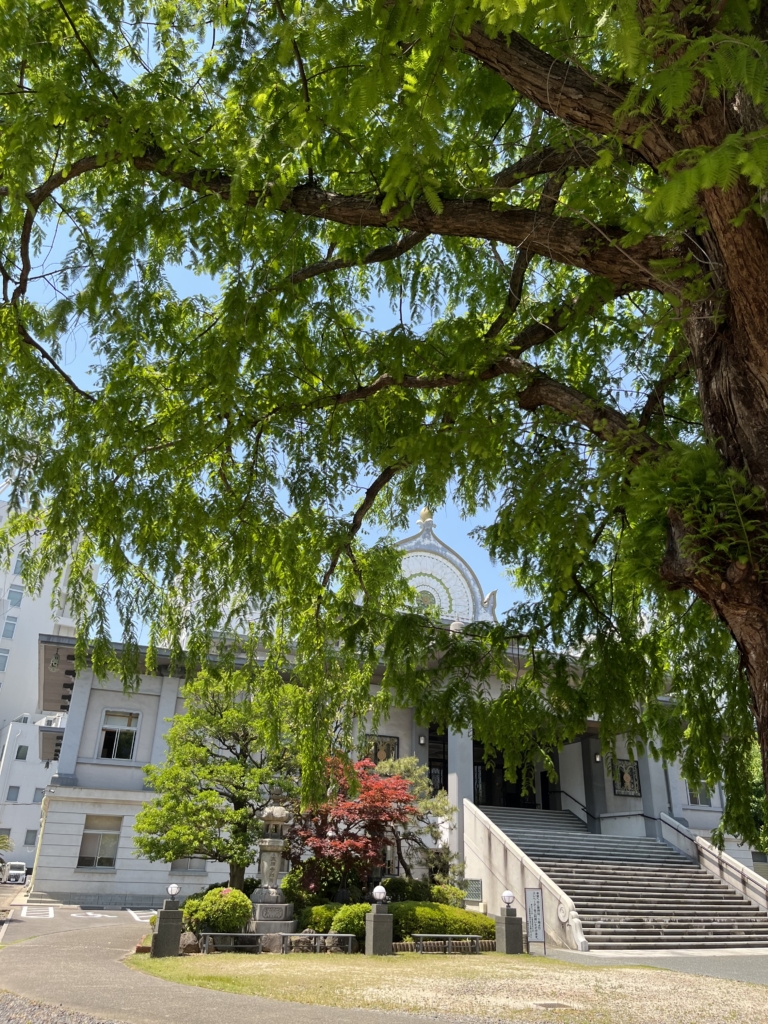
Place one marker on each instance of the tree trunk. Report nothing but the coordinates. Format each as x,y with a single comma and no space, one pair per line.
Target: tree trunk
237,876
740,599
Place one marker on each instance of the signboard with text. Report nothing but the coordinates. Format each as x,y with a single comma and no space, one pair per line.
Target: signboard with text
534,914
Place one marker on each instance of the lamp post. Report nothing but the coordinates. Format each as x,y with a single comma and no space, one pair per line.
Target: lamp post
509,927
165,941
378,925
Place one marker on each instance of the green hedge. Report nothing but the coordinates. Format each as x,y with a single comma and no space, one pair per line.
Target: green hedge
410,917
451,895
438,918
220,910
402,890
352,919
319,919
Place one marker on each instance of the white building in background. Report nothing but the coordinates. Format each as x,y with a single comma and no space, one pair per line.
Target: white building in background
22,619
28,752
22,726
86,852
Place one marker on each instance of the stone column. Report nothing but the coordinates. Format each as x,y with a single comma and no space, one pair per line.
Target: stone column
166,708
378,931
165,941
73,732
594,782
460,785
651,812
509,931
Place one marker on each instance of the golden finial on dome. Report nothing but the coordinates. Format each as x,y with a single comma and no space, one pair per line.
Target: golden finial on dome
425,515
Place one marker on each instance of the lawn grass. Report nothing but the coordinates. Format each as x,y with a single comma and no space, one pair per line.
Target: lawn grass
488,987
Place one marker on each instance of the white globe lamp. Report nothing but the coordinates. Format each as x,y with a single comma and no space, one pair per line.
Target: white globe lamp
380,894
507,898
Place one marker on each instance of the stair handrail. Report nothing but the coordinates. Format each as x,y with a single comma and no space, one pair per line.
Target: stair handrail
565,924
578,803
719,863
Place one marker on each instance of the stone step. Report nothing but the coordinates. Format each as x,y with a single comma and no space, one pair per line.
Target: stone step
667,944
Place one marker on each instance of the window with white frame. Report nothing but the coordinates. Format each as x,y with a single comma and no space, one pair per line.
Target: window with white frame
21,752
13,794
18,567
5,832
196,864
700,797
101,836
31,837
4,652
9,627
118,735
38,797
15,594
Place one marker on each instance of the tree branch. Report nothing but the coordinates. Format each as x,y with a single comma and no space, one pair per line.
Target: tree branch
547,203
27,338
361,512
380,255
567,91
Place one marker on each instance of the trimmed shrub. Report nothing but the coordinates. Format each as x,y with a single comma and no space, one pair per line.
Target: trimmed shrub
250,885
450,895
438,918
351,919
401,890
220,910
319,919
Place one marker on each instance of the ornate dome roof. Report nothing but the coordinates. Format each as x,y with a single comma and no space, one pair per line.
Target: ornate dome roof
441,577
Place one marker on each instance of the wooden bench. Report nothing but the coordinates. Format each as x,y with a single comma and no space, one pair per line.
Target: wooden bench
230,942
447,941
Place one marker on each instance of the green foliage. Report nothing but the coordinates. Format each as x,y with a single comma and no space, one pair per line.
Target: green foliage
351,919
451,895
250,885
220,910
319,918
214,783
400,888
6,844
437,918
188,344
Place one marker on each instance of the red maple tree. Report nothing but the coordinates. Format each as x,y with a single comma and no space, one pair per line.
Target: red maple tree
351,830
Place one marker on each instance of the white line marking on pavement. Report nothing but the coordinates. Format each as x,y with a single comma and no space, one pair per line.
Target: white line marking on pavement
142,916
5,925
90,913
33,911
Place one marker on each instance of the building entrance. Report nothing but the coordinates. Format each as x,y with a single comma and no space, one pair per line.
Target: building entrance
491,789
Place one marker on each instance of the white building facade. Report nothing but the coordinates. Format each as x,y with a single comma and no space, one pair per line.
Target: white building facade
86,854
23,618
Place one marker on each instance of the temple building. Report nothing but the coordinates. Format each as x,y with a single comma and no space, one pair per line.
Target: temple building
620,852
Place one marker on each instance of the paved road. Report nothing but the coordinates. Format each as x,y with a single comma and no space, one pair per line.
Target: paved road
78,965
736,965
71,957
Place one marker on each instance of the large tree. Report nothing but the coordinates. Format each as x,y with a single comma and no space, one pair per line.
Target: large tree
562,205
214,784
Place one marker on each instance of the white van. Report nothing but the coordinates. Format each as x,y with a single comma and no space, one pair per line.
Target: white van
14,872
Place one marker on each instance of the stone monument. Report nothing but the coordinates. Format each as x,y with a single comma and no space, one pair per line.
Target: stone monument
271,912
165,941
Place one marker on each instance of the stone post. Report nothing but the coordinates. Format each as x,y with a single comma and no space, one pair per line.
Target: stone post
378,931
165,941
509,931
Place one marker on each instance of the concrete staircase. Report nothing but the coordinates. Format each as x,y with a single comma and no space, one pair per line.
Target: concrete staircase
633,893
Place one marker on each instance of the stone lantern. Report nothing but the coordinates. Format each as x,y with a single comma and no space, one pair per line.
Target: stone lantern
271,912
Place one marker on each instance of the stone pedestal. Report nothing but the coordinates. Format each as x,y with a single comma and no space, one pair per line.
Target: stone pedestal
378,931
165,941
269,917
509,931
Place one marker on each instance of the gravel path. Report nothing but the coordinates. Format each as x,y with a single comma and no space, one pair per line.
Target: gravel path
16,1010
